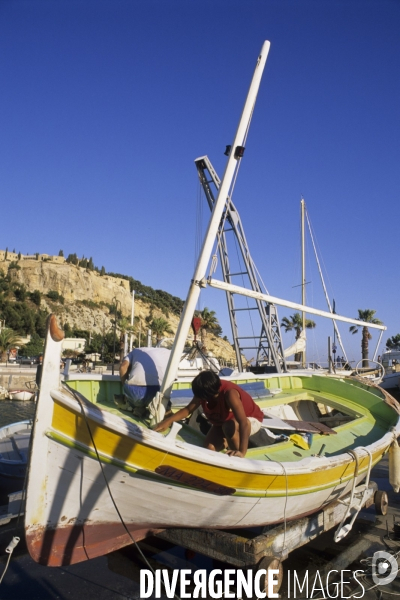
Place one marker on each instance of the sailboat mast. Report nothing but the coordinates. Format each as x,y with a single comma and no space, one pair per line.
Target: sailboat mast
200,271
303,275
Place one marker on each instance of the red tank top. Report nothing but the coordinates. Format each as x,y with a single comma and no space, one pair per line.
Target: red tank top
218,414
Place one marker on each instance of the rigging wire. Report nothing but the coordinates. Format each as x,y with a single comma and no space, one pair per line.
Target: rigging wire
78,399
323,285
198,233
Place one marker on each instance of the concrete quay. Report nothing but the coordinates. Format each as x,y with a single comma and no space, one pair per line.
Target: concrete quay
13,377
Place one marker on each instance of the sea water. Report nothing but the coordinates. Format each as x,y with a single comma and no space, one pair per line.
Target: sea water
12,411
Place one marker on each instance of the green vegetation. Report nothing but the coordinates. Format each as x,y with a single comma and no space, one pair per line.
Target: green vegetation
8,339
209,322
72,259
160,327
14,265
393,343
21,310
36,297
33,348
88,303
17,309
368,316
55,296
158,298
20,293
295,322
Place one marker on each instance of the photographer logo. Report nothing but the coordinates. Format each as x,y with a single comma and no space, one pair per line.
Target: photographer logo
384,568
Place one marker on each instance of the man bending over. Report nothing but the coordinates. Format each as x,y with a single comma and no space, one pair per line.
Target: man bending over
230,410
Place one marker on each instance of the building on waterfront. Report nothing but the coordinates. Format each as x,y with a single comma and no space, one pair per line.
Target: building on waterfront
74,344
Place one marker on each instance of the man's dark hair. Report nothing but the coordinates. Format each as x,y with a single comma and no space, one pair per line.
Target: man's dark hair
206,384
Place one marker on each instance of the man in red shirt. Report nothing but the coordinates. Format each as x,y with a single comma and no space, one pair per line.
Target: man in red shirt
232,412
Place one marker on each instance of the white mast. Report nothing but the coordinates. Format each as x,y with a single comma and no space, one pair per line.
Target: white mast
303,278
205,253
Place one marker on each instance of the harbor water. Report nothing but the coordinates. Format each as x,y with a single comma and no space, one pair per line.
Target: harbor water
12,411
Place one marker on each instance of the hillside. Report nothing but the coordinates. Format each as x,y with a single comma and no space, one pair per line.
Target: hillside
82,299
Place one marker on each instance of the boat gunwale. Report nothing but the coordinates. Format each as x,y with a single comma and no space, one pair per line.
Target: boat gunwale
180,448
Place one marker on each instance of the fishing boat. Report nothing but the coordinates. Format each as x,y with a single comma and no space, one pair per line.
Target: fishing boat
14,450
101,478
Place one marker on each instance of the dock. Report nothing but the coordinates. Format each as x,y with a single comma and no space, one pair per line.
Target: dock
308,547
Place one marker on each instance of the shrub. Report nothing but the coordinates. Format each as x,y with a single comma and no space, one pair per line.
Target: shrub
14,265
53,295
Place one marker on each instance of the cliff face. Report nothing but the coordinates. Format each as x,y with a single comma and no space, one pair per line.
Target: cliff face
72,282
78,285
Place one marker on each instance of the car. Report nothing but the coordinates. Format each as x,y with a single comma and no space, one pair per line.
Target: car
26,360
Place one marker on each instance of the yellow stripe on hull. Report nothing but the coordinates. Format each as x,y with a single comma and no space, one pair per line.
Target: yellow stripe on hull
141,456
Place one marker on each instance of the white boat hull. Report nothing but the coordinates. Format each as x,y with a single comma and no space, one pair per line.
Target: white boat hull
81,507
391,381
22,395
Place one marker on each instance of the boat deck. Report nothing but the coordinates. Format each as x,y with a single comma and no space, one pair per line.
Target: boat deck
304,398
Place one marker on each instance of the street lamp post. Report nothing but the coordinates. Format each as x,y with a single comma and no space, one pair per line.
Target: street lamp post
132,320
116,302
94,323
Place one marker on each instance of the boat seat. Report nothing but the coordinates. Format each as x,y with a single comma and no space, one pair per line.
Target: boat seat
311,427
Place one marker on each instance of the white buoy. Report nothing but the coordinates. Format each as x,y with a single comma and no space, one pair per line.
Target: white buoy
394,466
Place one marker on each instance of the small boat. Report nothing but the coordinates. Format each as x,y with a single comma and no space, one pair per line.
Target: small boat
391,364
14,449
22,395
101,477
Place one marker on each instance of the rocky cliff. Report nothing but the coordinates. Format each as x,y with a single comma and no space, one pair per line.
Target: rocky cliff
88,297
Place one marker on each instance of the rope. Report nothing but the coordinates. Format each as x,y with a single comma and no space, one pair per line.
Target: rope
76,396
286,500
9,550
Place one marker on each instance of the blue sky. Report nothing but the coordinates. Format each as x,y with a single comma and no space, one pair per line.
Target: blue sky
105,105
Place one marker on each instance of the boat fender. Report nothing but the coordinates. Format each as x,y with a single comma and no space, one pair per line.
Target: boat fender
12,545
394,465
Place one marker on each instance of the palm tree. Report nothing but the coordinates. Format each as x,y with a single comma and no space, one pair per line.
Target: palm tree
393,343
368,316
159,327
209,322
8,339
295,322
